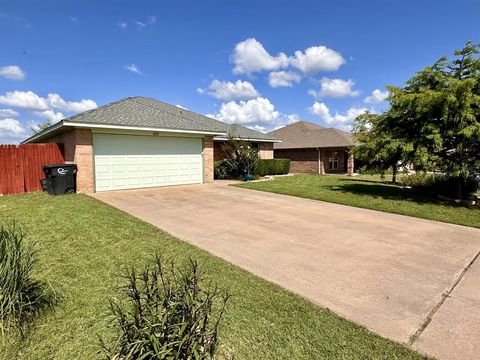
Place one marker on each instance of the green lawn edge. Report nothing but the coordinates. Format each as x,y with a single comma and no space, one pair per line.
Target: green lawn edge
369,192
83,244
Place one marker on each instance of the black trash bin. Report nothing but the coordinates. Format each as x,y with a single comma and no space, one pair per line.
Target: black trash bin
60,179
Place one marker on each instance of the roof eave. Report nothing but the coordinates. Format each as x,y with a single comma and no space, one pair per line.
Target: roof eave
225,138
76,124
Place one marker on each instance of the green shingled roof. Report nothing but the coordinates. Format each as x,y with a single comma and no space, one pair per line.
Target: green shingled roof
148,112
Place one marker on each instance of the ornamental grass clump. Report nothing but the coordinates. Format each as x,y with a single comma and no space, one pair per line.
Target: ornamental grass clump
22,297
165,313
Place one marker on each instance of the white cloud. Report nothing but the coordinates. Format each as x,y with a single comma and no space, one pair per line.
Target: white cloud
182,107
50,115
133,68
12,72
122,24
11,131
257,113
283,78
8,113
250,56
139,23
44,107
11,126
335,88
377,97
343,121
317,58
73,18
151,20
226,90
55,101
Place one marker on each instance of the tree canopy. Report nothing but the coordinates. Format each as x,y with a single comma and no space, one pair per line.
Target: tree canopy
433,121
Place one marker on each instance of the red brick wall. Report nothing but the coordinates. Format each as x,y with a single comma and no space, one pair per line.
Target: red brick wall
301,160
306,160
78,149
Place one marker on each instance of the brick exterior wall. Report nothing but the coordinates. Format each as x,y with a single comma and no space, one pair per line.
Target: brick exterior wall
84,159
301,160
306,160
208,151
265,150
77,145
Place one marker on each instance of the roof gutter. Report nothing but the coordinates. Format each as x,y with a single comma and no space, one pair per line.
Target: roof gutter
225,138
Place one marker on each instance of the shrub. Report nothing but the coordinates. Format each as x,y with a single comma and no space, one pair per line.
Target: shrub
453,187
272,167
165,315
240,158
22,297
222,170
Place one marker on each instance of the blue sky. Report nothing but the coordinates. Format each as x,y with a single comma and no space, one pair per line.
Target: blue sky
262,64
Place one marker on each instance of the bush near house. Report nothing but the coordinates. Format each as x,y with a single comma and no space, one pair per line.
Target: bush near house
272,167
225,169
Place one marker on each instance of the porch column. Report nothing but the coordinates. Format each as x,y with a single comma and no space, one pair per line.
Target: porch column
350,164
321,168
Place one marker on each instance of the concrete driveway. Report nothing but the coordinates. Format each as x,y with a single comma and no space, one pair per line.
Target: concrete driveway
411,280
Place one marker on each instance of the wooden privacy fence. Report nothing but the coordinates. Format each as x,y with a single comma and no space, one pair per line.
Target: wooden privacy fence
21,166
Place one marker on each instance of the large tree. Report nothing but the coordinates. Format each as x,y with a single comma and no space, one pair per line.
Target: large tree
436,116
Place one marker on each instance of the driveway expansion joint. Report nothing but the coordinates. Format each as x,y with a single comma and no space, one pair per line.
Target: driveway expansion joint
445,295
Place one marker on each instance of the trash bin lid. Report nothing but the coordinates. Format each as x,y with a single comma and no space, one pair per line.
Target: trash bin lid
53,166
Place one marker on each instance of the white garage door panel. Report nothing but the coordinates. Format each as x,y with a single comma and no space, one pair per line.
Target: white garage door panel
126,162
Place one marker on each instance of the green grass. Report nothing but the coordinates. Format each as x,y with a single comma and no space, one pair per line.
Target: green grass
84,244
371,193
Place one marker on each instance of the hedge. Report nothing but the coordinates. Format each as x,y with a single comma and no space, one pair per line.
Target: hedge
272,167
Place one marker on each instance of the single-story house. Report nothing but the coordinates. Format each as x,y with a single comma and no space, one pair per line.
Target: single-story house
142,142
315,149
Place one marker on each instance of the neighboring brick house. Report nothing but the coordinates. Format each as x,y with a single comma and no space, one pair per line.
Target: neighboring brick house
315,149
141,142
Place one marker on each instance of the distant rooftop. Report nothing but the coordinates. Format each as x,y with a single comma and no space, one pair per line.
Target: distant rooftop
304,134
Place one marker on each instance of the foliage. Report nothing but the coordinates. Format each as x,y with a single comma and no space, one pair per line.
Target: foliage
440,184
272,167
222,170
379,148
22,297
241,158
166,315
435,118
40,127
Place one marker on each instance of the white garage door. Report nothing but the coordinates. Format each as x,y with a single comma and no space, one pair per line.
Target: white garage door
127,162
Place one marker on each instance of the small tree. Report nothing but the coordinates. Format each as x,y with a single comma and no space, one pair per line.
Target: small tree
378,148
240,156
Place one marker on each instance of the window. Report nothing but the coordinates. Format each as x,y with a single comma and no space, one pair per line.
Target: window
333,161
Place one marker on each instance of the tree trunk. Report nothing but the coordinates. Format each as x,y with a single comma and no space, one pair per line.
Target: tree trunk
394,174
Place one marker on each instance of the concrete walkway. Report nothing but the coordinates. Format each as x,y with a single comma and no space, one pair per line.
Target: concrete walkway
388,272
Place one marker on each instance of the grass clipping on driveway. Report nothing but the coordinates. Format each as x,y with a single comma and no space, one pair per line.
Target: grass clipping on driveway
370,193
83,245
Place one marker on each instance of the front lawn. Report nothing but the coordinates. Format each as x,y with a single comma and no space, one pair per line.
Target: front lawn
371,193
84,244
